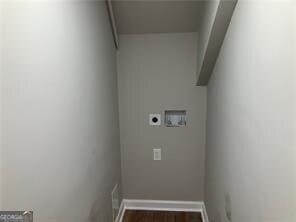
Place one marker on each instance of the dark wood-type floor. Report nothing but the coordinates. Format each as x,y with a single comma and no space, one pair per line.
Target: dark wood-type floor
160,216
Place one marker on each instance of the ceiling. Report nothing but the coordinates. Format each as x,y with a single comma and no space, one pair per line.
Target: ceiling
157,16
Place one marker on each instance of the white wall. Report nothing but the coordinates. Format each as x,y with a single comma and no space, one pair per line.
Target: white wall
251,117
1,11
204,32
157,72
294,93
60,153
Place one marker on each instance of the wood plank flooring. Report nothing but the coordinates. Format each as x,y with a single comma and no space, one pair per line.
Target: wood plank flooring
161,216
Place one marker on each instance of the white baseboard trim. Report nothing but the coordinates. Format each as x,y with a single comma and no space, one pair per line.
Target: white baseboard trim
162,205
204,213
120,212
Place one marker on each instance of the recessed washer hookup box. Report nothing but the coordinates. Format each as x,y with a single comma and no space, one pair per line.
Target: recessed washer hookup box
16,216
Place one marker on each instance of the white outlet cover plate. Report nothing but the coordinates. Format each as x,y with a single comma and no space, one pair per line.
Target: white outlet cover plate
152,118
157,154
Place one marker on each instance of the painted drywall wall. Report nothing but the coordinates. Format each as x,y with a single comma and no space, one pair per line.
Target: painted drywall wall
141,17
294,102
157,72
61,154
294,93
250,117
1,10
216,19
204,32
